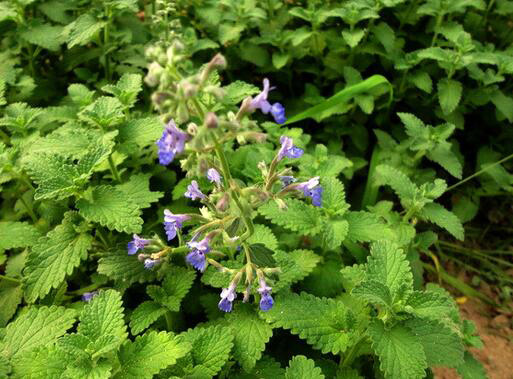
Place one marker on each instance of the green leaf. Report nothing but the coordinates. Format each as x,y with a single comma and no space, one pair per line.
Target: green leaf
301,367
126,89
137,189
80,94
144,315
366,227
330,106
472,368
353,37
422,81
111,207
503,103
82,30
121,267
17,234
299,216
334,195
440,216
374,292
449,94
399,351
148,354
103,316
175,286
261,255
238,90
54,257
11,295
263,234
19,117
430,305
41,363
387,264
295,266
445,157
442,346
280,59
229,33
323,325
335,232
44,35
265,368
210,349
38,326
398,181
105,112
139,133
250,334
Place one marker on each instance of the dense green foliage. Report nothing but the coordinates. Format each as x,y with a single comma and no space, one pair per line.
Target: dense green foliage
402,109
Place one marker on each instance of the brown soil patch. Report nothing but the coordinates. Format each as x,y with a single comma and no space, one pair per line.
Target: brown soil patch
497,336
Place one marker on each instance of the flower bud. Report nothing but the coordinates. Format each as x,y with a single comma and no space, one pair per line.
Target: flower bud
218,62
154,73
223,203
192,128
211,120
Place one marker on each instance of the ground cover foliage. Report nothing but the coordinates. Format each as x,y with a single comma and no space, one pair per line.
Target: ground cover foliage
243,189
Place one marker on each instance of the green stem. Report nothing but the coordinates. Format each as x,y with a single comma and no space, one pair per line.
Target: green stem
5,137
479,172
106,35
350,355
169,320
114,170
14,280
439,20
29,209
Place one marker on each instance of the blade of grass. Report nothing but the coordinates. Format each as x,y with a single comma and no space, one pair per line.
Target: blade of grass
341,97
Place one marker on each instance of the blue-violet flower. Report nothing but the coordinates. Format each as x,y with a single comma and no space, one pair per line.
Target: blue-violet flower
260,102
193,191
266,300
312,189
171,143
88,296
287,180
288,149
150,263
196,258
137,244
227,297
172,223
214,176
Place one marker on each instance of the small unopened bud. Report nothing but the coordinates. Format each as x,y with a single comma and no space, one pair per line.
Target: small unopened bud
223,203
142,257
189,90
263,168
192,128
245,108
159,97
217,92
257,137
218,62
211,120
246,294
154,73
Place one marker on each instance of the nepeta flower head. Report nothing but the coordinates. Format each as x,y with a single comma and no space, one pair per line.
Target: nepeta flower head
287,180
88,296
266,300
260,102
137,244
227,297
312,189
150,263
171,143
172,223
214,176
288,149
193,191
196,258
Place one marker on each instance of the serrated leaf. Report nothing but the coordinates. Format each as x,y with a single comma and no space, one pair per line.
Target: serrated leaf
373,292
17,234
334,195
366,227
294,266
472,368
210,349
263,234
398,181
38,326
430,305
280,59
41,363
44,35
121,267
320,321
111,208
445,157
175,286
250,334
105,112
238,90
335,232
126,89
353,37
299,216
449,94
399,351
137,189
148,354
422,81
301,367
144,315
442,346
82,30
387,264
80,94
440,216
139,133
54,257
11,295
102,316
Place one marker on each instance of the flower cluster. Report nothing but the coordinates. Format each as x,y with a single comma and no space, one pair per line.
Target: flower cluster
171,143
260,102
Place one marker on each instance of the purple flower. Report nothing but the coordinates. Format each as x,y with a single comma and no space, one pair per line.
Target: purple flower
196,258
171,143
278,112
172,223
312,189
260,102
287,149
227,297
266,300
287,180
193,191
214,176
88,296
150,263
137,244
